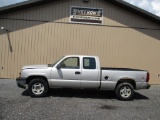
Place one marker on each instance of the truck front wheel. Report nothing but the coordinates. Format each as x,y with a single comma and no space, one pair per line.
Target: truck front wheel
38,88
124,91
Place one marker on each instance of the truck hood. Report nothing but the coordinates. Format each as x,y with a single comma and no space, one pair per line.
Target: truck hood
35,67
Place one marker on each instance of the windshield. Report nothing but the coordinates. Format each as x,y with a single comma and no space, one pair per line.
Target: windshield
56,61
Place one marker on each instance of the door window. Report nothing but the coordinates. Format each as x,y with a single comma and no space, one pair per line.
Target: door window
70,63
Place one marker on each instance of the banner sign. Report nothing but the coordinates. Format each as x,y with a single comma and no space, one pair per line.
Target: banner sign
86,15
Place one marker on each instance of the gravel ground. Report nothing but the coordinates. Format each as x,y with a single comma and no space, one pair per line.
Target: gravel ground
73,104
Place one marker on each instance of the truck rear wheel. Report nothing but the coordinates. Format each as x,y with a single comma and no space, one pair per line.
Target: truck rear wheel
38,88
124,91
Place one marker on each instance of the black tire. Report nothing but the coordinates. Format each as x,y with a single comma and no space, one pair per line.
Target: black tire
38,88
124,91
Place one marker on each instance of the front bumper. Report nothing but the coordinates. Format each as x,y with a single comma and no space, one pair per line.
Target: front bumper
21,82
148,86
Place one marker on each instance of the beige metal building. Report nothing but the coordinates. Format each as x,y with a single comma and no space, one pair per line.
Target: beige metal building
41,31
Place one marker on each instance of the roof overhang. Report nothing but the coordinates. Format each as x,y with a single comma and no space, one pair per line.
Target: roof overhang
120,3
22,5
136,10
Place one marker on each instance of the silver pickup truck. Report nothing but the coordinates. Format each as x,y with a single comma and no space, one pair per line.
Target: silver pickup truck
77,71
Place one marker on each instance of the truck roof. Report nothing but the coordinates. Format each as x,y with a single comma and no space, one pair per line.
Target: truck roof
80,56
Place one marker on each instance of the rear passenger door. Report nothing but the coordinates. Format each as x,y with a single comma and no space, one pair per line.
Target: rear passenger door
90,73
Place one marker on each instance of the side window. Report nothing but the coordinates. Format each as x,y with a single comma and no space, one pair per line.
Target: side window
89,63
70,63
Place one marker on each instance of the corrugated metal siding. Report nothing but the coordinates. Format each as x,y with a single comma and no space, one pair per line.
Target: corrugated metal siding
36,42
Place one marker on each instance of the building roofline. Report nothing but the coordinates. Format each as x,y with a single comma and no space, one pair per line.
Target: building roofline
120,3
22,5
136,10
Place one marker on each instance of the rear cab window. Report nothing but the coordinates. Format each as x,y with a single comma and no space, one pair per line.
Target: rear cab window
89,63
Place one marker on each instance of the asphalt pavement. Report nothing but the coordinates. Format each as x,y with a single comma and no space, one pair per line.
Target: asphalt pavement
76,104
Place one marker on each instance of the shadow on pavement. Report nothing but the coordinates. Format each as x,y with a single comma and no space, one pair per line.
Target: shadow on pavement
25,93
139,96
82,93
86,93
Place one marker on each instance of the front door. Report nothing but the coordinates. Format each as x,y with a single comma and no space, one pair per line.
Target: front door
68,74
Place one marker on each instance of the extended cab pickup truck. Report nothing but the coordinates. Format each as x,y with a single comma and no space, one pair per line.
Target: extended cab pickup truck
77,71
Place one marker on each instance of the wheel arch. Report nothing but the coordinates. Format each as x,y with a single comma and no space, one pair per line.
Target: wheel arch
127,80
30,78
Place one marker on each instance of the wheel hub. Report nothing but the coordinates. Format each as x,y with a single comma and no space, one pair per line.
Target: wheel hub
125,91
37,88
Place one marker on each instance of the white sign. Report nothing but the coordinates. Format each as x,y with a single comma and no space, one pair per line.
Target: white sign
86,15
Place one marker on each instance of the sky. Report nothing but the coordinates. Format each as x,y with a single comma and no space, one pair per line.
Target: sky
152,6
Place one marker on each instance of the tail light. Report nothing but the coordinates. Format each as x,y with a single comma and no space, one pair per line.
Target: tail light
148,77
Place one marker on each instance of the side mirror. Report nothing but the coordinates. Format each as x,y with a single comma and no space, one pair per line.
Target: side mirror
58,66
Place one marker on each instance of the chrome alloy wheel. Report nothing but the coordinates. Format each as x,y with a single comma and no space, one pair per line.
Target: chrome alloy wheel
37,88
125,91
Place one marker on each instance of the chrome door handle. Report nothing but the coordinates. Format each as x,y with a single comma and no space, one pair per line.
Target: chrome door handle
77,72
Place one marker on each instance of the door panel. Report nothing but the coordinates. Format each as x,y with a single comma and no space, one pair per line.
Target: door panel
66,78
90,74
89,78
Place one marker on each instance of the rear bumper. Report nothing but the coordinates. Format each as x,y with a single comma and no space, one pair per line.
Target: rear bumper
148,86
21,82
142,85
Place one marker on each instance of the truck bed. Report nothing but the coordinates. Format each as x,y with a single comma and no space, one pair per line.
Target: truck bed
120,69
